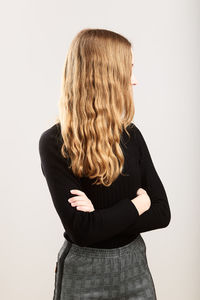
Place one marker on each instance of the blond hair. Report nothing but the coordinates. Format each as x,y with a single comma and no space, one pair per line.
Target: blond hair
96,103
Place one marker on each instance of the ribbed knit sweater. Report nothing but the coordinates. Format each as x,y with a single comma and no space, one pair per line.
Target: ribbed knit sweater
115,221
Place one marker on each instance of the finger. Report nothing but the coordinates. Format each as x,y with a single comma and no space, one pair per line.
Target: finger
83,208
78,192
140,191
77,198
76,203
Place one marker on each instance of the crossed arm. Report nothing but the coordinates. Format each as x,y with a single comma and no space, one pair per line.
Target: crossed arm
85,228
159,214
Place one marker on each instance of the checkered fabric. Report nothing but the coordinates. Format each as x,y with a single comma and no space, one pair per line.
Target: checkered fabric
92,273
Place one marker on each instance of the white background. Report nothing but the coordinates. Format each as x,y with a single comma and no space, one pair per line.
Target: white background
35,36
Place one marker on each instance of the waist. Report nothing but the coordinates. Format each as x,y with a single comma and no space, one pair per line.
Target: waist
117,241
136,244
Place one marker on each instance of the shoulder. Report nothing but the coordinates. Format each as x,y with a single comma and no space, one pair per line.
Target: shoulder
134,130
50,138
50,134
137,136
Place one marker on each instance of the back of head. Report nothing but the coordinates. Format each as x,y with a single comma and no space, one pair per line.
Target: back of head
96,103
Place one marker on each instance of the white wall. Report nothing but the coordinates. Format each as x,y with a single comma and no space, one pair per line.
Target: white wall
34,39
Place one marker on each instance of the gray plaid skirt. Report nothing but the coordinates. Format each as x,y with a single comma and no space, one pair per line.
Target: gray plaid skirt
95,273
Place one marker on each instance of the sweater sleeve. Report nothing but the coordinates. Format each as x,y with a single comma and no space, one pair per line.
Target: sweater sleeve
84,228
159,214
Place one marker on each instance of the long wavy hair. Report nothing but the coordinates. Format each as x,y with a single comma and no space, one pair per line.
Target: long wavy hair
96,104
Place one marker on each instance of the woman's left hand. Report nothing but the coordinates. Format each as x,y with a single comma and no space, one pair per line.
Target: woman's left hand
82,202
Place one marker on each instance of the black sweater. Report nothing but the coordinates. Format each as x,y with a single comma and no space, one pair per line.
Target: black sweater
115,221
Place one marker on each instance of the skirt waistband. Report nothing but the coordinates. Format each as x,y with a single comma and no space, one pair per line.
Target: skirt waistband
137,243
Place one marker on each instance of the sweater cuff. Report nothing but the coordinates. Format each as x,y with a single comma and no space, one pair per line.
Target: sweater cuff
124,213
131,211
